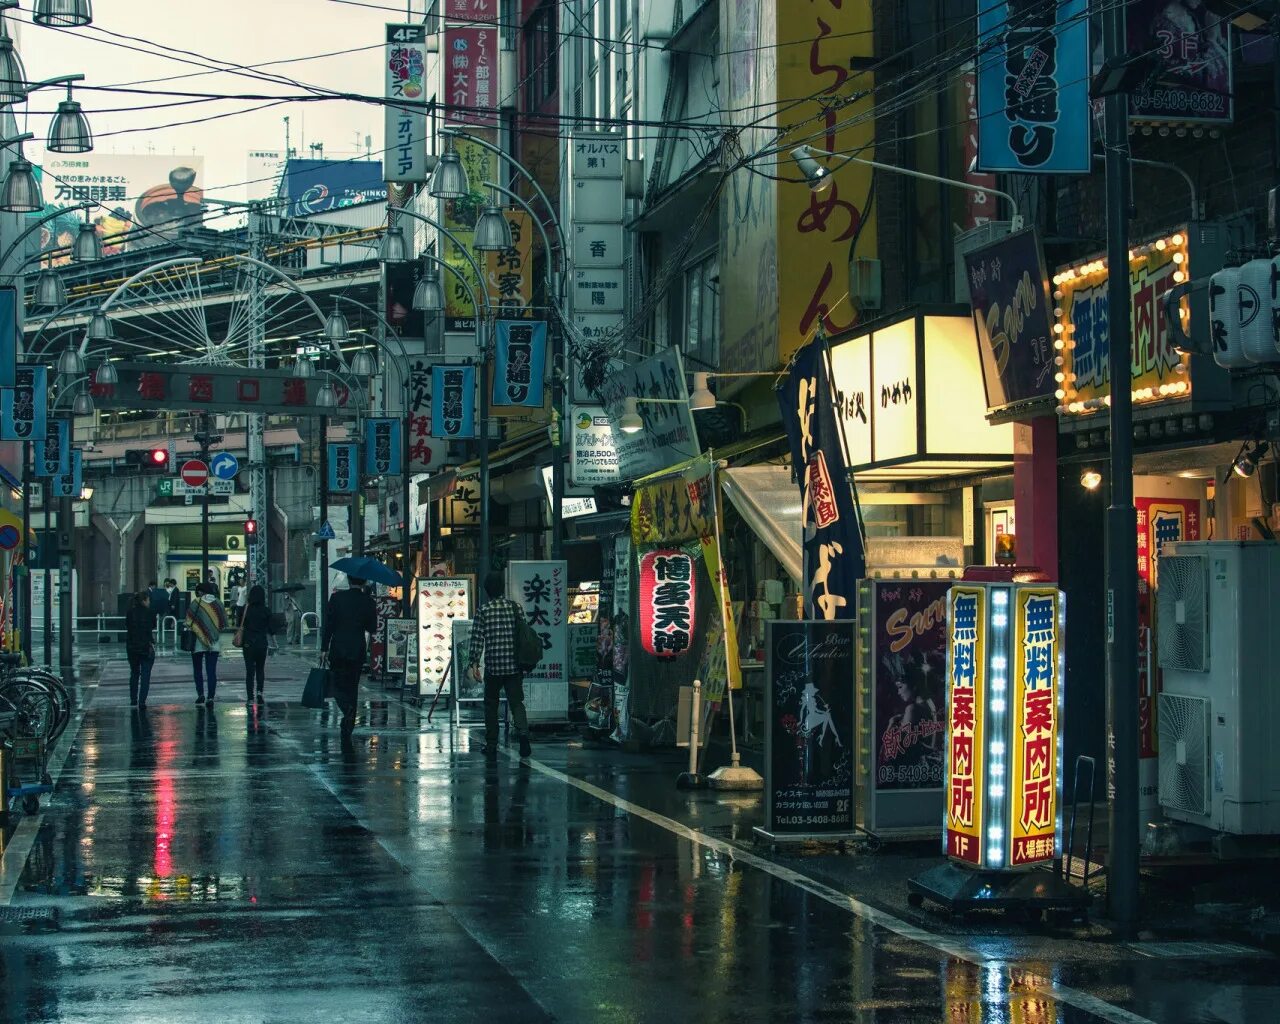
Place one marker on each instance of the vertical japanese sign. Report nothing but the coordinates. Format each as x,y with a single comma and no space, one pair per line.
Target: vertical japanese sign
834,559
1033,87
596,213
966,711
593,453
52,453
980,204
10,328
69,485
809,731
453,410
426,453
509,272
541,589
23,407
520,362
343,468
621,647
909,645
668,602
1160,522
1035,765
405,69
386,608
460,217
382,448
462,506
820,234
471,74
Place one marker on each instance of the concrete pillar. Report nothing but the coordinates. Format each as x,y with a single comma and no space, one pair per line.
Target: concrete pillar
1035,493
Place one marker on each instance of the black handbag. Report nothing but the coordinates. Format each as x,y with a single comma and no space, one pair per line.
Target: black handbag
317,688
188,641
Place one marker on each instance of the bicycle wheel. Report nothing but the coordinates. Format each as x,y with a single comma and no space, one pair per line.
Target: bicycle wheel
59,694
37,710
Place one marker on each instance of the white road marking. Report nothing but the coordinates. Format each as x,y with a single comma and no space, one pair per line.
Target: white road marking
1013,976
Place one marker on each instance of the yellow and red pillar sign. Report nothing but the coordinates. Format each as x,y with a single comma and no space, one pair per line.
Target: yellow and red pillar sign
1004,731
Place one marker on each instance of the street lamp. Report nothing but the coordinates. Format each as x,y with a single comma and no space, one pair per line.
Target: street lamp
363,364
701,397
325,397
100,328
87,247
20,192
450,178
630,422
428,296
393,248
303,368
493,232
63,13
69,131
818,176
106,373
71,364
83,404
13,76
336,328
51,291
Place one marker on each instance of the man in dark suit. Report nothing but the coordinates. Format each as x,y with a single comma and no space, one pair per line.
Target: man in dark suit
159,601
351,615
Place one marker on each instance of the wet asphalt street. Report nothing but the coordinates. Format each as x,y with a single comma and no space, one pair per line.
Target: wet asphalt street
240,865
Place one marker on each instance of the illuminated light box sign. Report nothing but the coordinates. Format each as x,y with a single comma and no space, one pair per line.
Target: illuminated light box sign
1005,672
668,598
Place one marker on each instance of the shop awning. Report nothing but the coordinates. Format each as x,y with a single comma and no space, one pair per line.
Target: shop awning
511,452
770,503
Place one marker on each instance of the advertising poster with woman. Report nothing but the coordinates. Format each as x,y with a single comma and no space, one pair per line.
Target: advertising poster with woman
910,653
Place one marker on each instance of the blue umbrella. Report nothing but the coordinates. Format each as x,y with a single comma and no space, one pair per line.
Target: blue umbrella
365,568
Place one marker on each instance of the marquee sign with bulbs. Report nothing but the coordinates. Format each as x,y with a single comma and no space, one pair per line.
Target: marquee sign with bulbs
1082,342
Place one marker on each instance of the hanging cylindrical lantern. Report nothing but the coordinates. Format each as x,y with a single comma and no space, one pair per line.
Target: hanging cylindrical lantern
1224,319
668,602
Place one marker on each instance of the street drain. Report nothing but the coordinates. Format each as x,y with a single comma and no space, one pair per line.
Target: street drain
30,917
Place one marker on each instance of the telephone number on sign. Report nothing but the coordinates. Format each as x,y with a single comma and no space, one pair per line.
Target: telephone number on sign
807,819
1188,100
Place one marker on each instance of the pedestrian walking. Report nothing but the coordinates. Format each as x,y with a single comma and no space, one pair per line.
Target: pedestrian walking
493,637
206,618
242,602
159,600
139,623
255,632
350,616
237,606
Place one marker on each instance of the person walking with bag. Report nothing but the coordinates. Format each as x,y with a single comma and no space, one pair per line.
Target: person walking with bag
495,635
139,622
206,619
253,639
351,614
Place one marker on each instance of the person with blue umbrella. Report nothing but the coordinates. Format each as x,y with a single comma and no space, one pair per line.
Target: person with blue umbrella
351,617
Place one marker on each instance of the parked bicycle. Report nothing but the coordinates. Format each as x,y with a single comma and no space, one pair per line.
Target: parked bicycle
35,710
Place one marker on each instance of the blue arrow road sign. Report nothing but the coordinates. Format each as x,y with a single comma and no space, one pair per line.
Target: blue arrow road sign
224,466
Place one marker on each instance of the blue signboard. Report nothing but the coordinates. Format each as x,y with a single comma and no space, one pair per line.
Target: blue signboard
318,186
520,362
453,401
9,331
24,406
834,558
1033,87
383,452
69,485
344,468
224,466
52,453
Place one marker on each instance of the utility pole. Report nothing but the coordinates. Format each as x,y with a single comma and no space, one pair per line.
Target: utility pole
205,440
323,583
258,560
1122,527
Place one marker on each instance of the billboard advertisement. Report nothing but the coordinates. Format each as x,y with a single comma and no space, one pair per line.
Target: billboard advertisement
318,186
1193,45
131,192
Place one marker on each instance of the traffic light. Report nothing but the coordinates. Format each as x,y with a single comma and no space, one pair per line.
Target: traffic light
251,531
148,459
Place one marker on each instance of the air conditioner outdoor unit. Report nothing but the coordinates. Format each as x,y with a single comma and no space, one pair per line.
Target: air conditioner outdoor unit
235,543
1218,637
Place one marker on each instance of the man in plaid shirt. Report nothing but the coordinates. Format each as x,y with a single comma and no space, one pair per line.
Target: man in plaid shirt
493,637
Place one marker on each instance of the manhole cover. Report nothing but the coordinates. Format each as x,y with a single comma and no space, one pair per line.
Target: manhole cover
27,915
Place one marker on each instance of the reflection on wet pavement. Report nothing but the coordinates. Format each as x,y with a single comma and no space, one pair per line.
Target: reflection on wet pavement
240,864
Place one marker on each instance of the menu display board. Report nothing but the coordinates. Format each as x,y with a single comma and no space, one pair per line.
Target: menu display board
809,728
440,601
398,634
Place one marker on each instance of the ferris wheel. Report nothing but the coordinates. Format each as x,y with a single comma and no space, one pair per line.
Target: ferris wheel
229,311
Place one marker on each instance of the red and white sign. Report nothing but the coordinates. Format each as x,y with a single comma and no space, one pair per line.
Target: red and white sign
668,592
471,73
195,473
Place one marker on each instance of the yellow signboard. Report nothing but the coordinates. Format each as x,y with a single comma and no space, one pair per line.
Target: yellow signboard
1082,340
1034,723
821,233
460,217
966,716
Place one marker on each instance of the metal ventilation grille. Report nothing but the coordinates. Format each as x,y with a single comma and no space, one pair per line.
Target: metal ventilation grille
1181,614
1184,752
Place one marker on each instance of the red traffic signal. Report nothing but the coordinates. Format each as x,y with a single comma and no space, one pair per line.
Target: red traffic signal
251,531
158,458
148,459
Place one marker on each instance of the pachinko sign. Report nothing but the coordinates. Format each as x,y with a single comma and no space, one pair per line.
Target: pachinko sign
1004,737
966,677
668,593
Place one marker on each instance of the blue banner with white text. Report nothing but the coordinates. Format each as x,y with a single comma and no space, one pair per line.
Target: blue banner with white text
344,467
383,452
834,557
52,453
520,362
453,401
10,330
1033,87
69,485
24,407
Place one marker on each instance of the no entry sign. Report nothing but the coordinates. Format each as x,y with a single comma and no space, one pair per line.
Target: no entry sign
195,473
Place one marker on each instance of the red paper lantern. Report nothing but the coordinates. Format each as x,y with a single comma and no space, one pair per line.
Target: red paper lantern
668,595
